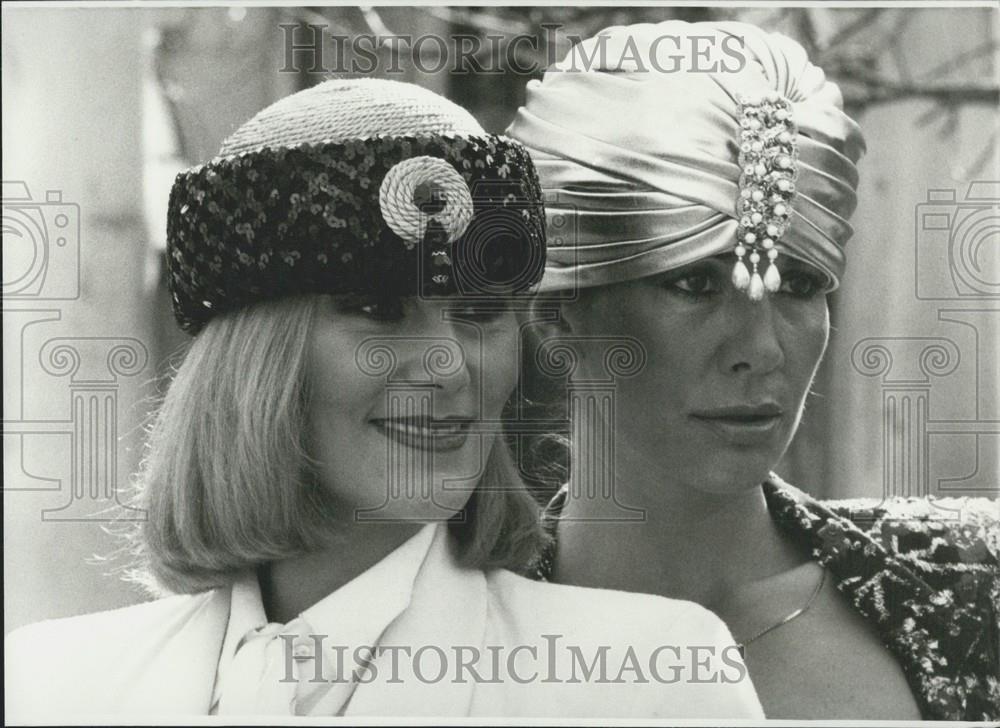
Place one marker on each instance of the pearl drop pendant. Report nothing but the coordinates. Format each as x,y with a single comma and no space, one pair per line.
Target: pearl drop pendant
772,278
741,276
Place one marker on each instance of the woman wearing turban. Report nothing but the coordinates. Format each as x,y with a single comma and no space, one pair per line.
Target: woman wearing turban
699,210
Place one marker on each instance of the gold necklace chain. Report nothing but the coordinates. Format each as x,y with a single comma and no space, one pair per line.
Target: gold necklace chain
788,618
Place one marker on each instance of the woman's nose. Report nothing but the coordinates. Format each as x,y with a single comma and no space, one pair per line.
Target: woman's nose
753,345
440,351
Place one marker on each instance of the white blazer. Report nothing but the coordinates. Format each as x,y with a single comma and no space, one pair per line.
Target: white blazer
157,661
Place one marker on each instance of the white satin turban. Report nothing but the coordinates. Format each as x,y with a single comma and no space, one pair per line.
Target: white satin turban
639,159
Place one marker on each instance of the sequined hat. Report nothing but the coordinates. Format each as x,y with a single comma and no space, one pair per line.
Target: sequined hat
354,186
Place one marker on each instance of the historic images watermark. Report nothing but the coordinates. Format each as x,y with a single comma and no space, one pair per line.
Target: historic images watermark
41,254
314,658
314,48
957,271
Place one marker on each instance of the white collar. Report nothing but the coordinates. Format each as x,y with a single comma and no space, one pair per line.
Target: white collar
355,614
358,612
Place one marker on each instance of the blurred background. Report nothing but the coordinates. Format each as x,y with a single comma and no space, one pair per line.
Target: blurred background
103,106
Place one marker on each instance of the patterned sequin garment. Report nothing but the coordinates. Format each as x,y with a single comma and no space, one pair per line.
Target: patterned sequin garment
924,571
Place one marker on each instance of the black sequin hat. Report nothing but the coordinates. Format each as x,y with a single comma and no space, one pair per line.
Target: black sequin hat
360,186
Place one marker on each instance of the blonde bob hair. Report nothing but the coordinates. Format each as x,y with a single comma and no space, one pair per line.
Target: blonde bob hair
227,482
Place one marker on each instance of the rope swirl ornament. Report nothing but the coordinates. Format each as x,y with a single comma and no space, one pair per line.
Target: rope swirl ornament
401,211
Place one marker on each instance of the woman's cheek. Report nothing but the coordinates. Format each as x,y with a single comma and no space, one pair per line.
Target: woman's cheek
818,327
807,332
500,366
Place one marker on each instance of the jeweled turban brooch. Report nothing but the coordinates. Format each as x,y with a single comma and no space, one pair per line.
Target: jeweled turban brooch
768,167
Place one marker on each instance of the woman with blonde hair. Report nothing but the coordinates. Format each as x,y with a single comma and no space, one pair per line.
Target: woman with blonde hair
330,497
701,178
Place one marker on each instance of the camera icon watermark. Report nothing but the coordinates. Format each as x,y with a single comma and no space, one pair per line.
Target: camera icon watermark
41,245
940,417
73,451
958,244
499,253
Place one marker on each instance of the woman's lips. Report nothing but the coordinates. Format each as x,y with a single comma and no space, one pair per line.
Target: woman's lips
441,435
745,425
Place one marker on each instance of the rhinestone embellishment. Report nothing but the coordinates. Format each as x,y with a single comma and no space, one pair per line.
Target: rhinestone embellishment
768,169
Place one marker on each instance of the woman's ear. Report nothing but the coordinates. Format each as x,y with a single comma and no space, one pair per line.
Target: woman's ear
546,317
568,317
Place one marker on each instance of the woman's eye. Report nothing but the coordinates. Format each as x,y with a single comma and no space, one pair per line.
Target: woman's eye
479,314
695,283
379,309
802,284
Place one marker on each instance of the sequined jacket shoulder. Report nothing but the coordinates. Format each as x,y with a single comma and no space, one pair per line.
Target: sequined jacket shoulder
923,571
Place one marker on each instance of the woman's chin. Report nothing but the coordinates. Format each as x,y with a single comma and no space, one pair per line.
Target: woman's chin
722,478
438,505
